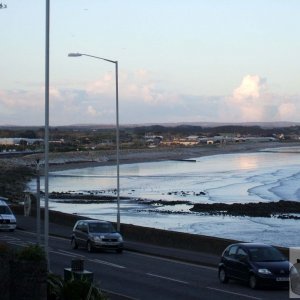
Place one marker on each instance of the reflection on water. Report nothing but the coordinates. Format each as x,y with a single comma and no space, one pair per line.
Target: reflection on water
222,178
219,178
247,162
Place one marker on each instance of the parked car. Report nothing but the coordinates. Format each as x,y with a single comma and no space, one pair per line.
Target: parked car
96,234
257,264
7,219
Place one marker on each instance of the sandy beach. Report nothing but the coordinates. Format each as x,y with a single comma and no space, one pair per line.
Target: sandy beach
253,222
25,166
76,160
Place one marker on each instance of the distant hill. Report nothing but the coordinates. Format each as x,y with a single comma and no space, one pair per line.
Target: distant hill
266,125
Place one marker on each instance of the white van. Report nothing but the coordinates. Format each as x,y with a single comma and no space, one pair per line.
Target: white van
7,219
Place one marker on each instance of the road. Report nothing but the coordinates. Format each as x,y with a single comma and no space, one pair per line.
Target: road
139,276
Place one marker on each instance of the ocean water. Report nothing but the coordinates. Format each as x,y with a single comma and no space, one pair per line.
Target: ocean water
269,175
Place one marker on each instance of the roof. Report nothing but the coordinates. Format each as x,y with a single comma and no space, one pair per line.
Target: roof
3,202
250,245
94,221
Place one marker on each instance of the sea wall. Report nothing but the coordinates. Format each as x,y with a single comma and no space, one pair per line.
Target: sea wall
159,237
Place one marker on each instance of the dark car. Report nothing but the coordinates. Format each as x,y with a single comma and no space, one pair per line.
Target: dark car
257,264
96,234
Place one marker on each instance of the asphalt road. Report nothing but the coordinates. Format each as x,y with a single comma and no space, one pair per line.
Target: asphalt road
134,275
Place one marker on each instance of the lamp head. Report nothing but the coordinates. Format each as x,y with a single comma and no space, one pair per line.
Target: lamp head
74,54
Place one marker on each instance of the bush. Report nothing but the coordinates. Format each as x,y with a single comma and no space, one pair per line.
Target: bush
31,253
74,289
4,248
54,286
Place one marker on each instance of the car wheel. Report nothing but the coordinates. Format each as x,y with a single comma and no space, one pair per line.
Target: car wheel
253,281
223,276
89,247
74,244
119,250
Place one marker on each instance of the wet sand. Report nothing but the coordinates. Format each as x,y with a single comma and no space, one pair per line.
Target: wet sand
76,160
83,159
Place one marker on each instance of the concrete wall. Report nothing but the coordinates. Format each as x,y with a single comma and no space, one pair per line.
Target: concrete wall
159,237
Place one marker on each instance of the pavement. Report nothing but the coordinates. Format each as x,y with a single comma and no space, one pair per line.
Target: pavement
29,223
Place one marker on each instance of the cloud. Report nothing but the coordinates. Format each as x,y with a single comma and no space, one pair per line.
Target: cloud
106,84
144,99
288,110
251,88
91,110
251,101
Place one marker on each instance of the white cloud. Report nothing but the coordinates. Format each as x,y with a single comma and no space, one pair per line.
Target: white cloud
143,99
251,87
91,110
106,84
288,111
251,101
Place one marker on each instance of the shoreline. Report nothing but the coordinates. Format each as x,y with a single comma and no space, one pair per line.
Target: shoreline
25,166
130,156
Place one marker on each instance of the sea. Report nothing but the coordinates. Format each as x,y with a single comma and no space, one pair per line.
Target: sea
268,175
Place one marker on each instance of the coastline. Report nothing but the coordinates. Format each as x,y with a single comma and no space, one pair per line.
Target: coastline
106,158
24,167
233,225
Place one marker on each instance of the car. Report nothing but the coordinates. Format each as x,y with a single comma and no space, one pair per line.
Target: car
254,263
7,218
96,234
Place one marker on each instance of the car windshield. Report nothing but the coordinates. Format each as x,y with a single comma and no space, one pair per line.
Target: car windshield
265,254
101,227
4,210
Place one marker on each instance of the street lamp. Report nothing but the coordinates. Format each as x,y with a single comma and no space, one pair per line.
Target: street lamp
46,142
117,127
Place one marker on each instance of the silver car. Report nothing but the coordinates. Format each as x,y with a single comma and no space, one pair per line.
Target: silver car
95,234
7,218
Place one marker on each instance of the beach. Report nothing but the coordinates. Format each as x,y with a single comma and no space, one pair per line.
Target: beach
84,159
219,178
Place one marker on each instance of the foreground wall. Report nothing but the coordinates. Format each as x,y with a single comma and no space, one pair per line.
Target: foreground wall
159,237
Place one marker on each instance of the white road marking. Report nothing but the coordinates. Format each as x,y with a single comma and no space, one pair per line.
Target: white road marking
107,263
62,253
71,253
167,278
118,294
176,261
8,238
19,243
233,293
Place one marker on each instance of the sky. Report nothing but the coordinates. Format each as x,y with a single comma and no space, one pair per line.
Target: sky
178,61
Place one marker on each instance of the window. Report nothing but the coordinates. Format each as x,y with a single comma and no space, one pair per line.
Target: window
232,251
265,254
241,254
4,210
101,227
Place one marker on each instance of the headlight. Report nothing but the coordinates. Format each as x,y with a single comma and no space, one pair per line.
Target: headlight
293,271
96,238
120,239
264,271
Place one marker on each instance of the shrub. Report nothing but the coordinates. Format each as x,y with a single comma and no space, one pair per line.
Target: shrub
4,248
73,289
54,286
78,289
31,253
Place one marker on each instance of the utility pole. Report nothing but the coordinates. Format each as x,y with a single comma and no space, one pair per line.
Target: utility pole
38,203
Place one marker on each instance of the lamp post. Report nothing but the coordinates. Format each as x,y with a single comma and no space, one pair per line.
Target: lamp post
38,204
46,168
117,127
